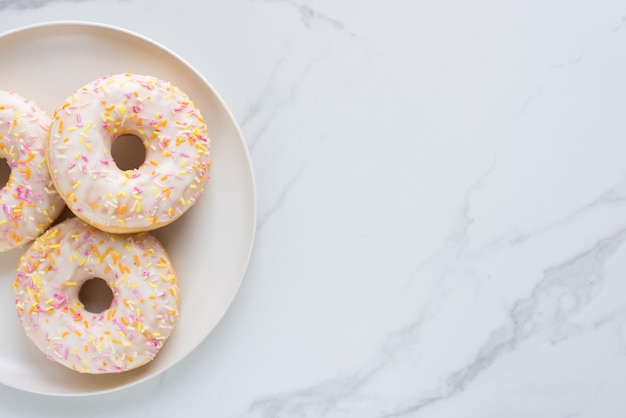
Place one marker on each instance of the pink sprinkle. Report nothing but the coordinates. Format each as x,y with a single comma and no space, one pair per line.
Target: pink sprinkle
136,108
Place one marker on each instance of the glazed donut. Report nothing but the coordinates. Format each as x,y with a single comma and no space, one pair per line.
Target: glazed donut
128,334
29,202
156,193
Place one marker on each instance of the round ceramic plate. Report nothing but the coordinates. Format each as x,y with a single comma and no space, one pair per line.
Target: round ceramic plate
210,245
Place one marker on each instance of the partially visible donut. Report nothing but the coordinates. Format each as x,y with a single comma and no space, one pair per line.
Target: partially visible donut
176,165
128,334
29,202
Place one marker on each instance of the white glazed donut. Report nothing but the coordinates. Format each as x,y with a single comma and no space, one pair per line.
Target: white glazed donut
128,334
29,202
177,160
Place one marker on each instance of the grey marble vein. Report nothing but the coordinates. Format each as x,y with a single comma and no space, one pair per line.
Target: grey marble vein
277,203
577,277
32,4
271,101
310,16
613,196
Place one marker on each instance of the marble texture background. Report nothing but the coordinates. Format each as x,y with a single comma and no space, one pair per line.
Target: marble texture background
442,208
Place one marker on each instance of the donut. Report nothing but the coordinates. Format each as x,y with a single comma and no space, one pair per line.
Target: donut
131,331
29,202
163,187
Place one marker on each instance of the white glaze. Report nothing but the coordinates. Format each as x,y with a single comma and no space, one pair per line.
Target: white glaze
131,331
177,152
29,202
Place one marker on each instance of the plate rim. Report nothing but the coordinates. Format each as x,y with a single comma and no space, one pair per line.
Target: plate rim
252,184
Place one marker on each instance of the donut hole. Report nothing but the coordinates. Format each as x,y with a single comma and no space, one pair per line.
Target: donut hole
128,152
95,295
5,172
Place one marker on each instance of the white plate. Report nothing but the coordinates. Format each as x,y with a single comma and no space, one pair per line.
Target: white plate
210,245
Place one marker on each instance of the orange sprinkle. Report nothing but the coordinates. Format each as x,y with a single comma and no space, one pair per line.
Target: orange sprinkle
103,256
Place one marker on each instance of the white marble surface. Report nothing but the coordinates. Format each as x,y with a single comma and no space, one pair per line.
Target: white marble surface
442,208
